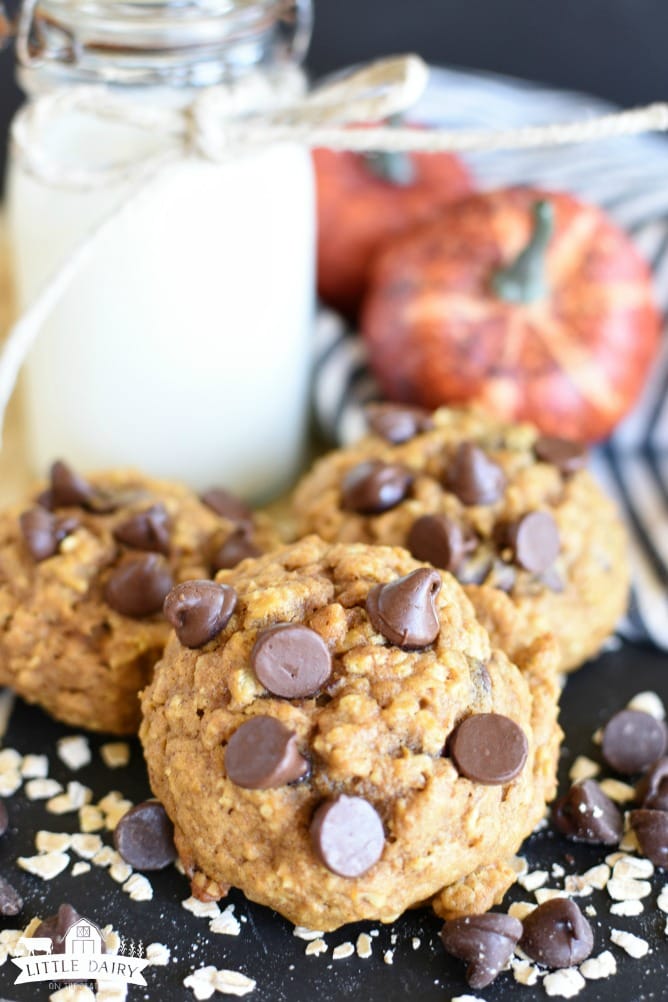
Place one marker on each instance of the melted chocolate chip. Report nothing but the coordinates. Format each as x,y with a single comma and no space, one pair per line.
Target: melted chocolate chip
651,829
567,456
138,586
146,530
440,541
43,532
474,478
237,547
199,610
534,539
373,487
652,790
145,837
4,819
397,424
586,814
347,835
488,748
11,901
633,740
56,927
557,934
484,942
228,506
404,611
68,488
263,754
291,660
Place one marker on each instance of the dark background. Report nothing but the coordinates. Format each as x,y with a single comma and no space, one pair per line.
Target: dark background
614,48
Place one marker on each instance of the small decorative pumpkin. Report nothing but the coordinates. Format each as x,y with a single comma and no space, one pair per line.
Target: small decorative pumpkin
532,305
365,199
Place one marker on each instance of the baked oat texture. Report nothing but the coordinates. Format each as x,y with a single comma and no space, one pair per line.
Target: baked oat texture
378,730
582,598
61,645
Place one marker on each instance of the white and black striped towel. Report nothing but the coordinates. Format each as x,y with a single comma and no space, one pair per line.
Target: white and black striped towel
629,179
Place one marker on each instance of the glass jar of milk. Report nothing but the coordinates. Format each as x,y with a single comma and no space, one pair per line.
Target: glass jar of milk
182,345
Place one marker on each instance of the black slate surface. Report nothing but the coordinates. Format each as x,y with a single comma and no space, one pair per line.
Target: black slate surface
266,950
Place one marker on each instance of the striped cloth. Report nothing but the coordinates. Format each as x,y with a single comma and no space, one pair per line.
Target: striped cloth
629,179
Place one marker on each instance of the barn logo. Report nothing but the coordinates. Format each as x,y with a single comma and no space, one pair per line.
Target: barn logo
79,955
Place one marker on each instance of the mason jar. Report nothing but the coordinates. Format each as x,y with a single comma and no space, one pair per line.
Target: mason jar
182,344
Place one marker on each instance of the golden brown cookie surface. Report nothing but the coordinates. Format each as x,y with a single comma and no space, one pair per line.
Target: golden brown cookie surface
84,569
362,742
497,505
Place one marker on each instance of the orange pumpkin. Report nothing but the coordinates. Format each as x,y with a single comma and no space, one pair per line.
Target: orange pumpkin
532,305
363,200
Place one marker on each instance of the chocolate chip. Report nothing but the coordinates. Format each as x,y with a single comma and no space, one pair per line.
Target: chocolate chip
485,942
404,611
567,456
145,837
586,814
4,819
439,540
237,547
146,530
43,532
534,540
199,610
347,835
633,740
651,828
263,754
652,790
139,585
11,901
228,506
396,423
68,488
56,927
488,748
373,487
475,478
291,660
557,934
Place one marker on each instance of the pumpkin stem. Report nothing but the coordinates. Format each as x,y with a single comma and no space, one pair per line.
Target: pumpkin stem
392,166
524,279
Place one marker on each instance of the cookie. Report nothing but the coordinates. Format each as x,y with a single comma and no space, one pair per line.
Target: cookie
515,516
84,569
349,744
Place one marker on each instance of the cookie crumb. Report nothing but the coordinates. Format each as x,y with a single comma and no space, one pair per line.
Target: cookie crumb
564,984
342,951
74,751
115,754
599,967
633,945
315,948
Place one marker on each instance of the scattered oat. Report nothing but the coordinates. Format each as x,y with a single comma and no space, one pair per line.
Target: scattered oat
202,982
662,900
621,793
120,871
10,759
35,767
226,924
388,957
364,946
86,845
112,940
416,942
115,813
627,908
533,880
583,768
202,909
91,819
47,865
520,909
233,983
548,893
590,911
115,754
597,737
74,798
524,971
519,865
74,751
301,932
106,856
582,884
41,788
158,955
80,868
628,889
52,841
629,841
648,702
466,998
138,887
111,991
342,951
557,871
565,983
634,867
315,948
73,993
599,967
10,782
633,945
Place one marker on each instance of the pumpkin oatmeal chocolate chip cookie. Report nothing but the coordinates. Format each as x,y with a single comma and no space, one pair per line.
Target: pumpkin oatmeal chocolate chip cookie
84,570
514,515
348,744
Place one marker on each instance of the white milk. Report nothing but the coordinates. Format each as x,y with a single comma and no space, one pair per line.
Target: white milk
183,345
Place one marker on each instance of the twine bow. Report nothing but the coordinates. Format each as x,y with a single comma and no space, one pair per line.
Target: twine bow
217,125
